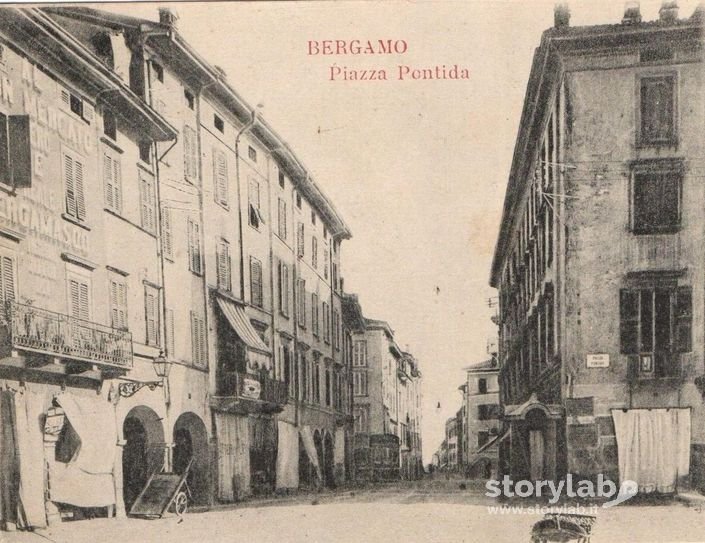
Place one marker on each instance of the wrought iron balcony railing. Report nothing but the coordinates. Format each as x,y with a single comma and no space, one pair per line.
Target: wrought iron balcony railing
249,386
40,330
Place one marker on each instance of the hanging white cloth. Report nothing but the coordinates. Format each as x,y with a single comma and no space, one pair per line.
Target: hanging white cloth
287,456
310,446
87,480
653,447
233,456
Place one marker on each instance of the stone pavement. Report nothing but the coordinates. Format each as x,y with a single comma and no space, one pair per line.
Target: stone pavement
386,513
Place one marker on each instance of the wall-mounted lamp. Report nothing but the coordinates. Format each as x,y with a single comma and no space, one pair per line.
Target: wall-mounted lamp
161,368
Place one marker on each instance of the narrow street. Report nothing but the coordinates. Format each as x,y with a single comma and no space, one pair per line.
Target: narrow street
436,511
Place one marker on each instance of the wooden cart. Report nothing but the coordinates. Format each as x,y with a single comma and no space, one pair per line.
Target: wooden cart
164,492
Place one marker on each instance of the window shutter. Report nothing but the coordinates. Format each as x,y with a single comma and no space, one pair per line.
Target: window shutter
151,317
285,288
80,196
167,235
70,186
194,339
122,297
223,264
255,282
74,299
220,172
83,301
117,186
114,317
65,99
8,279
282,219
88,112
108,180
314,252
147,203
202,341
169,316
684,319
300,240
629,321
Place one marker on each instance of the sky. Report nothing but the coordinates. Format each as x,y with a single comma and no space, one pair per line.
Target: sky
417,169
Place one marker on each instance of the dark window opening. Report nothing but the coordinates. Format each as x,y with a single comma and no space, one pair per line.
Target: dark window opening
298,201
158,71
76,105
656,202
109,125
281,179
218,123
482,386
657,110
103,48
252,154
313,217
145,151
190,100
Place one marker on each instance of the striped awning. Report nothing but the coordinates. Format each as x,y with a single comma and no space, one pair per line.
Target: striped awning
242,326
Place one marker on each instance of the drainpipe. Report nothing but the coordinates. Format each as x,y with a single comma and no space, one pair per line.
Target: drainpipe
245,128
271,267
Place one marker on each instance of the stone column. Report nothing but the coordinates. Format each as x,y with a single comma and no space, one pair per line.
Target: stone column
168,457
117,480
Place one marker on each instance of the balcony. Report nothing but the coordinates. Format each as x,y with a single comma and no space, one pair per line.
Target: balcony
33,329
245,393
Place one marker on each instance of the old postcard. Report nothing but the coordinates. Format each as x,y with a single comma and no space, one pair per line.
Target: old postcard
352,271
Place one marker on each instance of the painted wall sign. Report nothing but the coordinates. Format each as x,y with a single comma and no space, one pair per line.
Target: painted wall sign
598,361
30,217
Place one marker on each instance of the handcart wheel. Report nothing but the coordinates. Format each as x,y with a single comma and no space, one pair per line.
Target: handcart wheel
180,504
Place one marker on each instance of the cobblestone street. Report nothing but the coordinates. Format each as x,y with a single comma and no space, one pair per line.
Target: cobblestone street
438,511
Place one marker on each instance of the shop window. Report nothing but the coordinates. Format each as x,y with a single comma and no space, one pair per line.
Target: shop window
656,325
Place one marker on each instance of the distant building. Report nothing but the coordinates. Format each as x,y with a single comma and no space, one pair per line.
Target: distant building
600,257
387,399
451,442
483,419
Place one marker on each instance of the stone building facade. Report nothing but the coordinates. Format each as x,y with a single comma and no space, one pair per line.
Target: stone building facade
386,398
482,419
599,261
162,246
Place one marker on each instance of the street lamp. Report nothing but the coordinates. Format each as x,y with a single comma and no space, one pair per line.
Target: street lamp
162,366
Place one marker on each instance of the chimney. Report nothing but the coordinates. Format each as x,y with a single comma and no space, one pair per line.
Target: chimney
632,14
561,15
168,17
668,12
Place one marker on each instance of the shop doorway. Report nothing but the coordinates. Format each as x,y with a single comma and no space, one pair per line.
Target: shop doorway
328,461
191,442
143,453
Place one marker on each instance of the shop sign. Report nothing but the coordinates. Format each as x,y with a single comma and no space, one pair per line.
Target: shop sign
598,361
